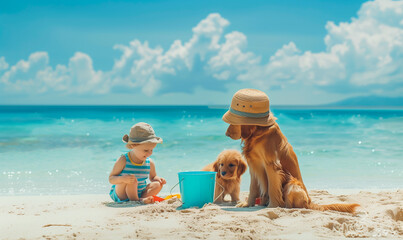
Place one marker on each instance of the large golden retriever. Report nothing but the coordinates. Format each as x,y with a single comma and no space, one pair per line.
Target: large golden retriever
229,166
274,169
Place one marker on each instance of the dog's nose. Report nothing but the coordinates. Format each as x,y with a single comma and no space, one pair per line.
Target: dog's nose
227,133
223,173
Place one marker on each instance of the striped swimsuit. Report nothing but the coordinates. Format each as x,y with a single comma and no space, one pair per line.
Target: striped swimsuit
141,171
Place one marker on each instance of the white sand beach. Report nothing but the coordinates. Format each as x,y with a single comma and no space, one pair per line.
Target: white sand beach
97,217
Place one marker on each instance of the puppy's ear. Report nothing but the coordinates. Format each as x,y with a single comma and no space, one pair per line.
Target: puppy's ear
247,131
241,167
217,167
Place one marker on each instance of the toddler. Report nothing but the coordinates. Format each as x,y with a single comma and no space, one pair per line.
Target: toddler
130,172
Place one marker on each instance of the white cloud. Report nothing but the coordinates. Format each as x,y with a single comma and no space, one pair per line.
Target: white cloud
374,43
36,76
230,61
141,66
83,75
362,55
23,75
3,64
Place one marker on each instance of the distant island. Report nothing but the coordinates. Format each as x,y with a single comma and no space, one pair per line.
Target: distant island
365,102
369,101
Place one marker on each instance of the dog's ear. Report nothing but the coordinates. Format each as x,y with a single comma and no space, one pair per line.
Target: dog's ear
241,167
247,131
217,167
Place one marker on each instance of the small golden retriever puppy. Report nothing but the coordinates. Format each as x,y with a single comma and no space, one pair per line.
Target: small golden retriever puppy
273,164
229,166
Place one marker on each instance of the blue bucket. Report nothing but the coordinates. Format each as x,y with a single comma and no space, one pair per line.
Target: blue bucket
196,188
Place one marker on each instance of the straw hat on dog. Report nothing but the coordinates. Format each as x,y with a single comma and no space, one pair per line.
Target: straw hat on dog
249,107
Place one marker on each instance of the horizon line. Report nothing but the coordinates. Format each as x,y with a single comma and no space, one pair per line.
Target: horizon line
280,106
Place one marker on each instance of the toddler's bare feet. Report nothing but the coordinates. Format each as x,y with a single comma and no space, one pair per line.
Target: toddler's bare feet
147,200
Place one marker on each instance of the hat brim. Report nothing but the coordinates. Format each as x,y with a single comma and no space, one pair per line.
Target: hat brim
234,119
151,140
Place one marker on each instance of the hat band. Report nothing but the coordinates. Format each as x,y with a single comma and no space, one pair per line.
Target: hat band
251,115
139,140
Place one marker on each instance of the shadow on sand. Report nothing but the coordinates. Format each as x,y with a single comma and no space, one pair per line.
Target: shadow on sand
239,209
231,207
124,204
226,206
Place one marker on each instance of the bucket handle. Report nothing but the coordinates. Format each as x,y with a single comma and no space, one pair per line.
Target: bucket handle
170,191
223,190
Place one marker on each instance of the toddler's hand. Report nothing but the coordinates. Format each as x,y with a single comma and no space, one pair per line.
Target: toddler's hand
161,180
129,179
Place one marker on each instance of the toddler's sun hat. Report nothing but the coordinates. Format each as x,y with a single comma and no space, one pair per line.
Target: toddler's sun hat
249,107
141,133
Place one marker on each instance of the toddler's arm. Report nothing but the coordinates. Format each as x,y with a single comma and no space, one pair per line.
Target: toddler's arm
114,177
153,174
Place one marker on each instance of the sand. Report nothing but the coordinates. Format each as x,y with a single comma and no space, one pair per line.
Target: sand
96,217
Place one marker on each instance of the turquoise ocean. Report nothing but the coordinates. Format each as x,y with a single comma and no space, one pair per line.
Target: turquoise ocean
59,150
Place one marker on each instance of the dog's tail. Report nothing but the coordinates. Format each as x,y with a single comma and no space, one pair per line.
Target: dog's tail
296,196
340,207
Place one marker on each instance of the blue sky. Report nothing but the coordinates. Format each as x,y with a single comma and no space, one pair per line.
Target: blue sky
188,52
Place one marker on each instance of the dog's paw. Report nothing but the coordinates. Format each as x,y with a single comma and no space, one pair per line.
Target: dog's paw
276,204
242,204
272,205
